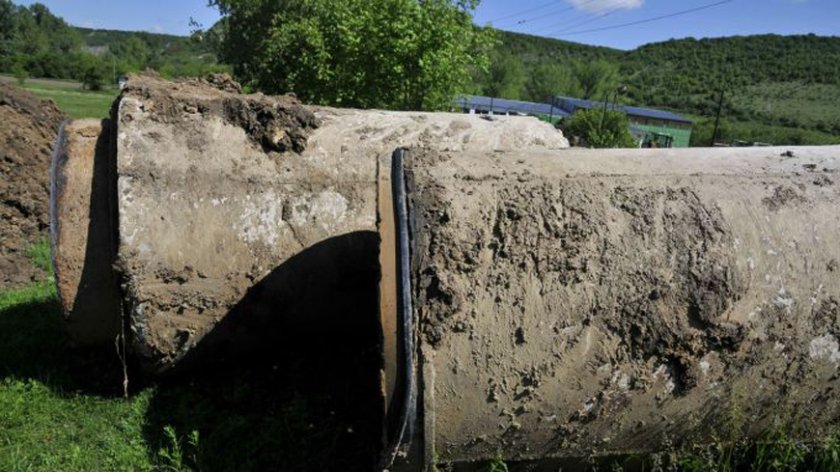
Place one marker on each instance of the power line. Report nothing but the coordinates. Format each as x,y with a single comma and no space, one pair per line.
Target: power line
562,24
542,17
648,20
585,22
513,15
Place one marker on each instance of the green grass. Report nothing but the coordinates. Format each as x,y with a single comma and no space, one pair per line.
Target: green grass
794,104
76,102
751,131
40,255
63,409
54,412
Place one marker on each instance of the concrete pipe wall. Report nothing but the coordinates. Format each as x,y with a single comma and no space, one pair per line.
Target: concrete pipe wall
582,303
522,299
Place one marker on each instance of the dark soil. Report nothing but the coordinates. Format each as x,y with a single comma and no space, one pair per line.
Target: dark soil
28,127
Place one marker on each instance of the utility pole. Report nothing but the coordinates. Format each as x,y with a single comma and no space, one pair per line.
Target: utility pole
604,113
717,118
622,89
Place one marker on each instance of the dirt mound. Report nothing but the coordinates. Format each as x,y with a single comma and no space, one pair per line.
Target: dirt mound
27,133
279,123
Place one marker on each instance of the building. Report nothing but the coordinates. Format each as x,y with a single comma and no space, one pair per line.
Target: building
663,128
476,104
650,127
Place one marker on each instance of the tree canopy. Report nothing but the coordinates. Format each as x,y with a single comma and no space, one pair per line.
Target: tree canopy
394,54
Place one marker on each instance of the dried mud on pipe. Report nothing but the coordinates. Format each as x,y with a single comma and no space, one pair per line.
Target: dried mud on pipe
568,312
276,123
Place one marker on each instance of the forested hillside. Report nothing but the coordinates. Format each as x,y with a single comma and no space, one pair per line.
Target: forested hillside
36,43
688,73
777,89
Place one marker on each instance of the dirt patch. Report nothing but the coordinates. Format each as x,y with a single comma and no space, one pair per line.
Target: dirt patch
27,134
782,196
823,181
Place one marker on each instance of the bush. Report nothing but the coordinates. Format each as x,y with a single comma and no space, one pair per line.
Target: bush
601,129
93,73
20,73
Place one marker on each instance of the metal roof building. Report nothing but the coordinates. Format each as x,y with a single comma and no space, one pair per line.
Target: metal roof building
571,105
646,124
480,104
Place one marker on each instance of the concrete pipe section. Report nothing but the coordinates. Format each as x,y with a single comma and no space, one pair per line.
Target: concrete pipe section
584,303
506,296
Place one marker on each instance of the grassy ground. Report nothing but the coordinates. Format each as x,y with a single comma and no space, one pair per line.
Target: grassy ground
73,100
811,106
63,409
54,412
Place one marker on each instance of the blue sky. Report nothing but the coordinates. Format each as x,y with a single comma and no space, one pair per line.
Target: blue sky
156,16
568,19
564,19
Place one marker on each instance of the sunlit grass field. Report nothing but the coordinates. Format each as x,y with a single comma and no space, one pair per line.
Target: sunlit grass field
74,101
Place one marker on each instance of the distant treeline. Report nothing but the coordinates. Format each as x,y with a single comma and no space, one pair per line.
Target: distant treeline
777,89
36,43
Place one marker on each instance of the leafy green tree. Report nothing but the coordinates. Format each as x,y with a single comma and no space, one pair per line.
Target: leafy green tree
396,54
549,80
20,73
601,129
505,77
596,78
93,72
134,53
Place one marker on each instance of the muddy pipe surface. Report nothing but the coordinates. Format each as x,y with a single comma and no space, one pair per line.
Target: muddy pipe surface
585,303
215,190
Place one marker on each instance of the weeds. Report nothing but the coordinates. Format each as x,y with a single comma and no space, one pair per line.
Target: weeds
497,464
175,458
40,255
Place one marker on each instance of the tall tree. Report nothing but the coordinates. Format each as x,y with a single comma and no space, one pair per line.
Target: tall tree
549,80
505,77
397,54
596,78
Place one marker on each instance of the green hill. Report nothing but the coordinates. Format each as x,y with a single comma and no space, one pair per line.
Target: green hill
778,89
36,43
171,55
532,50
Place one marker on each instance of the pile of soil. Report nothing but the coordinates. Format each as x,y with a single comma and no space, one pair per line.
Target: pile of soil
28,128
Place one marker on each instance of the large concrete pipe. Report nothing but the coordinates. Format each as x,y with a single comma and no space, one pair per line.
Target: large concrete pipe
523,300
211,191
584,303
